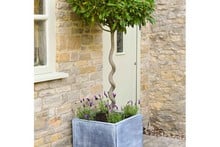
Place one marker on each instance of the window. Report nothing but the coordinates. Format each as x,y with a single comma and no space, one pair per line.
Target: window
45,41
120,42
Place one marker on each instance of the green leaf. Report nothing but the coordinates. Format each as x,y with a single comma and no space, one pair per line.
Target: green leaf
118,14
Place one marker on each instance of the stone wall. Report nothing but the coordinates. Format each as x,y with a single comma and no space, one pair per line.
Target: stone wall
163,68
78,53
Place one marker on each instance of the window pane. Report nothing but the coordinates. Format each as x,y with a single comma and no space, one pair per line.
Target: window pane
39,6
40,53
119,42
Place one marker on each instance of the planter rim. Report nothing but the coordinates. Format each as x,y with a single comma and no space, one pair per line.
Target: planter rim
107,123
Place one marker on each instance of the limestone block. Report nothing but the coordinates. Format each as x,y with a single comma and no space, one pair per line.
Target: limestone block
54,122
40,123
46,92
87,39
95,76
38,134
65,108
38,142
64,66
45,145
55,137
63,89
96,89
63,57
88,69
74,56
81,63
65,142
62,6
37,105
35,94
52,101
84,56
41,86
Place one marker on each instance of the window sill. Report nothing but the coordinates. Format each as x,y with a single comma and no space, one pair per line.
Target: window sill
50,76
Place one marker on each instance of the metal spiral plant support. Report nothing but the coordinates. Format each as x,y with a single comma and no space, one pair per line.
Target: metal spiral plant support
110,76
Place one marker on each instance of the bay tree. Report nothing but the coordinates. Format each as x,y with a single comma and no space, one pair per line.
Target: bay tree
116,15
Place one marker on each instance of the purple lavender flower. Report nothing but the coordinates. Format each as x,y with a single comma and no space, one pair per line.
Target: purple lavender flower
86,116
105,94
114,95
110,109
96,98
107,106
88,99
137,102
130,102
90,104
115,106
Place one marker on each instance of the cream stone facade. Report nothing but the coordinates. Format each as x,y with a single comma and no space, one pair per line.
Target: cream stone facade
79,53
163,68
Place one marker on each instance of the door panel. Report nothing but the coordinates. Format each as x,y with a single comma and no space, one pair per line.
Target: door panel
125,59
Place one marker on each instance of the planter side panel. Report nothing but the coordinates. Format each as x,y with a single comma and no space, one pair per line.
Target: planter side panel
92,134
130,132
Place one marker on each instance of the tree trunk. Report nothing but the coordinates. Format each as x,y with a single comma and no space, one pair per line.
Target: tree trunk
113,68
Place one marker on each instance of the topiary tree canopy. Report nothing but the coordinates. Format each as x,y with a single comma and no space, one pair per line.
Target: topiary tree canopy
117,15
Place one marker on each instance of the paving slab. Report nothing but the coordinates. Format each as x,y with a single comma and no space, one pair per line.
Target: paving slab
153,141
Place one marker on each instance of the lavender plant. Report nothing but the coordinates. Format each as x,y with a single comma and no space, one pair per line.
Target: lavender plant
87,111
99,108
115,117
130,109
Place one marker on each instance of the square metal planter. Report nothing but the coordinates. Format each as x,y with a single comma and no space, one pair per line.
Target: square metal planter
126,133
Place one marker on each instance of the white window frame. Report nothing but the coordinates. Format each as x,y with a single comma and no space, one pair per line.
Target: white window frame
48,71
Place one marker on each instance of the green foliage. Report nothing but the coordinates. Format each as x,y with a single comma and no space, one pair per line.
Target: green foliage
92,108
114,117
86,113
130,110
102,107
116,14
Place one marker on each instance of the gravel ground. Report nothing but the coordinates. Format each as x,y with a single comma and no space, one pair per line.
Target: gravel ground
154,141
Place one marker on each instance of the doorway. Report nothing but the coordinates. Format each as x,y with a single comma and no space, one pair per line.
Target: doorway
126,58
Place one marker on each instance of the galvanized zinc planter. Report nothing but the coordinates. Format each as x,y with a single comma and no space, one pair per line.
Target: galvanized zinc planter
126,133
